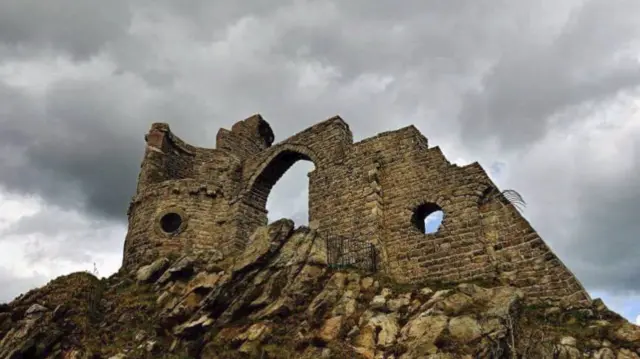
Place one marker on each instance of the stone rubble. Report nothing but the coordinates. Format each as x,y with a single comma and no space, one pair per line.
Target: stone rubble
279,299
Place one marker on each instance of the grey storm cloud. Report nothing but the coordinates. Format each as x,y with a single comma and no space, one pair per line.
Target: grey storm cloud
78,28
584,63
468,74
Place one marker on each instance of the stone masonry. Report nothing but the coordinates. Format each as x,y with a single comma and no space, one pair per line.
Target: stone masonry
192,199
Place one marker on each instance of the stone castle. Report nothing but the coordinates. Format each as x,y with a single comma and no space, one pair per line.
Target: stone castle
378,190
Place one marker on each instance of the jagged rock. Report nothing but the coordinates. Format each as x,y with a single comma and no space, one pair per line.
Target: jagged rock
35,310
329,295
421,333
492,326
140,335
402,301
281,306
464,329
378,302
415,305
355,330
586,313
163,299
570,341
625,353
346,306
604,353
184,266
454,304
386,292
366,337
294,251
504,301
568,352
599,305
478,293
353,281
367,283
188,329
386,325
215,256
255,332
317,255
628,332
72,354
279,301
331,329
426,293
151,346
149,272
365,352
264,241
436,297
203,280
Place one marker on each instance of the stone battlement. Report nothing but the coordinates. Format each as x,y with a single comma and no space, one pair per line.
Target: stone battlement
378,190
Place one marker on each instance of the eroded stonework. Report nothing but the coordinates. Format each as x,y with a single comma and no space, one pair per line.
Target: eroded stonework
374,190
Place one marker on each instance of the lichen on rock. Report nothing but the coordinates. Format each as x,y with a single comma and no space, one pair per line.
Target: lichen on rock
280,300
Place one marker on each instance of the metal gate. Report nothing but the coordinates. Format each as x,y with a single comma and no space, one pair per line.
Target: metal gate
344,252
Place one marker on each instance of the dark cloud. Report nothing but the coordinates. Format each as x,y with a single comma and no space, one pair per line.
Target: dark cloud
78,28
535,82
487,81
606,233
71,150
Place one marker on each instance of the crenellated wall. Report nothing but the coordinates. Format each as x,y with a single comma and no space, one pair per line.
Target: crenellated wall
374,190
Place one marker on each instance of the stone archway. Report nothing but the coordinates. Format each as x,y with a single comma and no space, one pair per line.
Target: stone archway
252,209
273,168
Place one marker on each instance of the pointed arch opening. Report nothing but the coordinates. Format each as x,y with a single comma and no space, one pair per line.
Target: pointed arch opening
281,190
289,196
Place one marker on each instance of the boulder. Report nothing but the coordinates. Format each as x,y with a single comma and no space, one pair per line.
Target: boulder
331,329
152,271
625,353
455,304
386,325
604,353
402,301
35,310
420,334
464,329
182,267
570,341
628,332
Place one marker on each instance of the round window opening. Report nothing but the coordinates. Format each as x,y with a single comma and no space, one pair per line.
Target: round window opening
427,218
170,222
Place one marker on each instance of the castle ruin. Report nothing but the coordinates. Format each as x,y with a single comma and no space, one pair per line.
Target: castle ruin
378,190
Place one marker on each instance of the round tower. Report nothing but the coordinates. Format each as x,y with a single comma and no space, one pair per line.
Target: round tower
184,200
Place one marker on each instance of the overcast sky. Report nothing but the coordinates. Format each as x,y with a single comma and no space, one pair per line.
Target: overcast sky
545,94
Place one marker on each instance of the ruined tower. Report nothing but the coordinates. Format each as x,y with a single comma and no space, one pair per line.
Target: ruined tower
378,190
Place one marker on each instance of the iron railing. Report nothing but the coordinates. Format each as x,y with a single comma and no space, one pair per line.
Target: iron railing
345,252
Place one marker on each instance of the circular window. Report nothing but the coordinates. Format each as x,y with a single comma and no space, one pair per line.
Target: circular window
170,222
427,218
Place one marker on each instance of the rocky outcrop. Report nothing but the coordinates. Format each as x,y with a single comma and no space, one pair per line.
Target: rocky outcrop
280,300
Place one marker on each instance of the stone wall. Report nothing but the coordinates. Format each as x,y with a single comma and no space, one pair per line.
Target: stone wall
375,190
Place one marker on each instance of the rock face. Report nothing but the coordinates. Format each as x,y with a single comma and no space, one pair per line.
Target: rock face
279,299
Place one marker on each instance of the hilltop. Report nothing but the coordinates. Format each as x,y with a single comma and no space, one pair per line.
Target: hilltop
279,298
